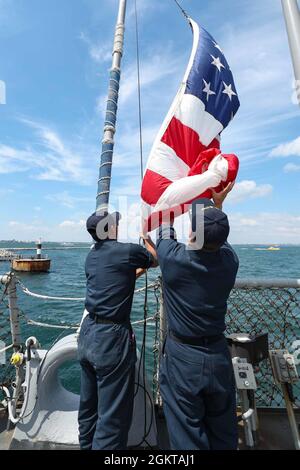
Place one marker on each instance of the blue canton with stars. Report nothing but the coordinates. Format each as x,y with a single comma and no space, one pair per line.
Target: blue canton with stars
211,80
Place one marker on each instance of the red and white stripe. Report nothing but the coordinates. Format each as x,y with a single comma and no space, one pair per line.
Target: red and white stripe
187,131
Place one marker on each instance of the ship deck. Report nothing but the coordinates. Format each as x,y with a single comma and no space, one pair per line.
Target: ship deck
274,432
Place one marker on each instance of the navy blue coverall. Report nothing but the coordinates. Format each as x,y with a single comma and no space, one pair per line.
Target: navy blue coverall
196,377
106,346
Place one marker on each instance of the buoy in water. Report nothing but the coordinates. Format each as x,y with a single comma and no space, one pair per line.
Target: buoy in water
35,264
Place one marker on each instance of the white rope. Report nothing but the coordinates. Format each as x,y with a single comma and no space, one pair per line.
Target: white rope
48,325
72,327
75,299
47,297
71,299
139,322
142,289
6,349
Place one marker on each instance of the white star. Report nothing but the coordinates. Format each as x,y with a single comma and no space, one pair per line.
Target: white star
217,62
218,47
207,90
228,91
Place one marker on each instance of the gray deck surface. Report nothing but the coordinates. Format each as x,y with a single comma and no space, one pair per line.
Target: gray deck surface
274,433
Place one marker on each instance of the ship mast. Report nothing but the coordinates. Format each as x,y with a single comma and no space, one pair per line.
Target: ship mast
292,19
111,114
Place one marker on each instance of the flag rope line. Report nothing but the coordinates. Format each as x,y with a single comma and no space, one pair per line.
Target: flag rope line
142,361
182,10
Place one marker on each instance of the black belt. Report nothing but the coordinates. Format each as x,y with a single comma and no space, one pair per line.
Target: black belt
194,341
104,321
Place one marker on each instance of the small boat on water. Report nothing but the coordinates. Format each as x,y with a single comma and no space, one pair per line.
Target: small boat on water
270,248
273,248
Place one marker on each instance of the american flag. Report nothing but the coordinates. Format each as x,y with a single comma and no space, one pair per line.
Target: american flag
190,135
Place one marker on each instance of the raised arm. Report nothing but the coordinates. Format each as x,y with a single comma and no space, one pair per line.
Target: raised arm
150,246
219,198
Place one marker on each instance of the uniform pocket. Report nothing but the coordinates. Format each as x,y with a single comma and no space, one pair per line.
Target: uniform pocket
187,377
104,350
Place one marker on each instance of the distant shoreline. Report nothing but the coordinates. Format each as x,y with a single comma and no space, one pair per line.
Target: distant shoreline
88,244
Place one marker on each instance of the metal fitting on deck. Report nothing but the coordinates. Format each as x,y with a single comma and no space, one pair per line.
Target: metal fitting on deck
17,359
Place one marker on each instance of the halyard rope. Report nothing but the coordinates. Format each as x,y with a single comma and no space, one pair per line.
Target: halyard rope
182,10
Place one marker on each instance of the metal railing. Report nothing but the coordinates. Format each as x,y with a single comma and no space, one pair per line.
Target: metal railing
273,306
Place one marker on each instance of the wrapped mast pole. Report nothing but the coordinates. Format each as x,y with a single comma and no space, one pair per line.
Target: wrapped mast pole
292,18
111,114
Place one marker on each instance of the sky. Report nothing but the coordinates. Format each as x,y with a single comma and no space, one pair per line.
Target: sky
55,57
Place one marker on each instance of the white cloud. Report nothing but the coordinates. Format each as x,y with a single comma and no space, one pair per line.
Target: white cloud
287,149
100,52
248,189
291,168
261,63
156,66
69,230
15,160
262,69
248,222
268,228
31,230
61,163
72,224
49,157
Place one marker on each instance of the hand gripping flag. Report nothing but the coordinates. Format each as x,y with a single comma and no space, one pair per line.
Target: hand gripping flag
186,160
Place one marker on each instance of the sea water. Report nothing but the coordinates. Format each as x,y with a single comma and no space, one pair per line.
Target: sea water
66,278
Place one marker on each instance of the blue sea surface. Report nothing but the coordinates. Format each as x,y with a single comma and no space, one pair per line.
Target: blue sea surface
66,278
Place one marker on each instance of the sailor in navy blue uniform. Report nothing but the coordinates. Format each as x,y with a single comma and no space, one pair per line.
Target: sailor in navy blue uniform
196,378
106,346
